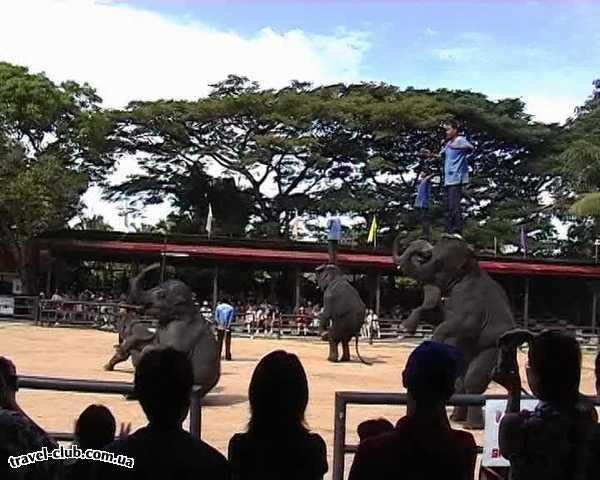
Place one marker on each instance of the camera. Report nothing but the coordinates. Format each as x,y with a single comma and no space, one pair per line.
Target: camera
507,350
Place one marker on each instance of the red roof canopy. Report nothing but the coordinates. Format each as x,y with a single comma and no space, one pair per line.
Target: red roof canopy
280,256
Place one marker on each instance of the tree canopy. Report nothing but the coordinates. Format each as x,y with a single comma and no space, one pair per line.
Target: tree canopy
53,140
348,148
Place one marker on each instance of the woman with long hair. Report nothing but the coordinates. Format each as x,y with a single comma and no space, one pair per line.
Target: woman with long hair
278,444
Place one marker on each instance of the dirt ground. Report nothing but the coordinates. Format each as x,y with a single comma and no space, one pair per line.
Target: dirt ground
74,353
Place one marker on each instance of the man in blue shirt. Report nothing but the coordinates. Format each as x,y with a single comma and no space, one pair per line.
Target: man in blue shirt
422,203
456,151
224,315
334,235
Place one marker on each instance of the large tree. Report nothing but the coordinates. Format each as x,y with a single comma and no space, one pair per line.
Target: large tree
347,148
52,139
577,188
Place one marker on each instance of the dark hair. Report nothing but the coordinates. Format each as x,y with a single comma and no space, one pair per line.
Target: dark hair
9,373
95,428
278,394
431,372
453,124
163,385
556,359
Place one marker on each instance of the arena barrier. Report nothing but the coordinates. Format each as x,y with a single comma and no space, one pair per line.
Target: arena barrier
103,387
343,399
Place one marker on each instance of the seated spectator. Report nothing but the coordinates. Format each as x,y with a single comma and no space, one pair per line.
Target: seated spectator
162,449
95,429
550,442
20,435
277,444
372,428
422,445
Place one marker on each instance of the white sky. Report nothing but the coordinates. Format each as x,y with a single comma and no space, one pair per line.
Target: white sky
130,54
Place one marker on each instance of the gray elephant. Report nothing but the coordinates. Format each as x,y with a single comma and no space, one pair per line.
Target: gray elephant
180,326
473,316
134,336
343,312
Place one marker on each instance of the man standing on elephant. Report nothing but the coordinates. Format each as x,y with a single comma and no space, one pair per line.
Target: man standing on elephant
334,235
224,314
456,151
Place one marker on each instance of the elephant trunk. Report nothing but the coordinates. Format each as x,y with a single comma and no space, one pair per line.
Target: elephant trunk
138,296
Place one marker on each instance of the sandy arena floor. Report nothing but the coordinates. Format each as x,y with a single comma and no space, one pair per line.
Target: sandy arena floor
73,353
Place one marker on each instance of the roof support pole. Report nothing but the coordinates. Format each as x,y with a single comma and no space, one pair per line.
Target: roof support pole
298,288
594,310
215,292
378,293
526,304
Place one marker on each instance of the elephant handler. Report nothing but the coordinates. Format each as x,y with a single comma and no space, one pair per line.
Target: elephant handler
455,151
224,314
334,235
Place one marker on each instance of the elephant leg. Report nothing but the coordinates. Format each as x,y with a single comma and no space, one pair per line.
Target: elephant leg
333,351
459,413
228,345
477,379
119,356
345,351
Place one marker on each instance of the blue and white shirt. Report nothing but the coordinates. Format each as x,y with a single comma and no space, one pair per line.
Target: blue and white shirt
334,229
224,316
423,194
456,165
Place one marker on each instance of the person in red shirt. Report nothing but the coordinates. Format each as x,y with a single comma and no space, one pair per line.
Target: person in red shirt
423,445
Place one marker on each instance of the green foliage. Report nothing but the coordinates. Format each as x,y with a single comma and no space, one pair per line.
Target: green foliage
353,149
95,222
52,142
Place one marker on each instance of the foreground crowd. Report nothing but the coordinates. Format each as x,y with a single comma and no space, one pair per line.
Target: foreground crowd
560,439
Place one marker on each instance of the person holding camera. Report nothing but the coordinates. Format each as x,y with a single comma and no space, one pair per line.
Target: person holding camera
552,441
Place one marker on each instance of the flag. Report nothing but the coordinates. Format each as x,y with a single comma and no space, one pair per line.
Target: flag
523,241
209,220
373,232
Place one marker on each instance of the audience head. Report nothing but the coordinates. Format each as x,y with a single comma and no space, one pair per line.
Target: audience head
554,367
95,428
8,379
278,394
163,385
431,372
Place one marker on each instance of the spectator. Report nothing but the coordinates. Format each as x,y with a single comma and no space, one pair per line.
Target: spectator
56,297
422,445
162,449
277,444
95,429
206,311
550,442
19,434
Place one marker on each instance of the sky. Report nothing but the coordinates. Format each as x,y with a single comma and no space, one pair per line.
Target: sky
545,52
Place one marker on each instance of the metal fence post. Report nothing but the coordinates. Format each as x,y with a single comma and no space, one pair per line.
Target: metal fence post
339,437
196,414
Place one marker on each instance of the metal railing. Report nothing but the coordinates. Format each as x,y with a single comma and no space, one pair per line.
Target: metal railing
102,387
343,399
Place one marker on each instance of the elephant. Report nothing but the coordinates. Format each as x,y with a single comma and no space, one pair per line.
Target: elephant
134,336
473,316
343,312
180,326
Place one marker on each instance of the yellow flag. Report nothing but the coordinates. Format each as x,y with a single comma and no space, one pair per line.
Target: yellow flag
373,232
